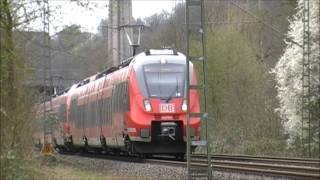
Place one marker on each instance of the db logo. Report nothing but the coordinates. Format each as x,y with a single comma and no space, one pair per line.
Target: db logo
166,107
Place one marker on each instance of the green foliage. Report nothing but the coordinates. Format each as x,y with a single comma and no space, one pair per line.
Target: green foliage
12,167
17,98
242,119
52,119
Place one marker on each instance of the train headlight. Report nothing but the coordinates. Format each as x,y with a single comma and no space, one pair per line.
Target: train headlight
184,106
147,105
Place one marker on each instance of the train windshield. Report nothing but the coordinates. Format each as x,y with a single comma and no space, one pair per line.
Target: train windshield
164,81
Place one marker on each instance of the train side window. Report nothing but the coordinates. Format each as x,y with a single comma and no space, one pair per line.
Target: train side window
94,105
109,110
119,98
89,115
71,114
106,111
61,114
87,122
80,116
64,112
76,114
100,111
94,114
75,117
105,108
114,99
75,105
126,97
84,116
91,122
121,107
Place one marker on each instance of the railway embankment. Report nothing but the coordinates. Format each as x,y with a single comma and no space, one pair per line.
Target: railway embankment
63,166
79,167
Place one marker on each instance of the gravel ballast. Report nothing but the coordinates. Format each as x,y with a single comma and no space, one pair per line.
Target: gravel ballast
113,169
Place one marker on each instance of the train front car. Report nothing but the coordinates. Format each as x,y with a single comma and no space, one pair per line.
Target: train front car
157,118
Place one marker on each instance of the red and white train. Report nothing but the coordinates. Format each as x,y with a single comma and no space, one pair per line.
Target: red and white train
138,107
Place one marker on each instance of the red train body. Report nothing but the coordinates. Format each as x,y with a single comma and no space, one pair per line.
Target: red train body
137,107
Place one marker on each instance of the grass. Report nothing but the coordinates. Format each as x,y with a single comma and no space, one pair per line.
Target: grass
57,168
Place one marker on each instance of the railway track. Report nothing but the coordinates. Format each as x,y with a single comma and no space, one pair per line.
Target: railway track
295,168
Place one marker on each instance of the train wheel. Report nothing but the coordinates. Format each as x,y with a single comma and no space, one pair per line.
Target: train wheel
84,149
148,155
128,146
179,156
68,145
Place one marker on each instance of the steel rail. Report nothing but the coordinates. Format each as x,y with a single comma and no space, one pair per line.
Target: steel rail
300,168
231,163
252,168
266,159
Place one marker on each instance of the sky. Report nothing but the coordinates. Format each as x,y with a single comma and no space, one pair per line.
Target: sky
67,13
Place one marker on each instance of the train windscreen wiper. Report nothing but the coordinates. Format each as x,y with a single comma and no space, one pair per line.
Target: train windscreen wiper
176,90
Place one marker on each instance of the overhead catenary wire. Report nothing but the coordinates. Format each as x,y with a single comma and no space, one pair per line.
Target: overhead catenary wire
282,35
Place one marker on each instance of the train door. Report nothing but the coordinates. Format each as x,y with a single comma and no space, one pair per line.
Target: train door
73,121
83,117
89,136
100,122
115,115
119,107
58,129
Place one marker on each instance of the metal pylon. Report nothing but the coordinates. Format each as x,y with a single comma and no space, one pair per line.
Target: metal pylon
196,35
305,111
47,80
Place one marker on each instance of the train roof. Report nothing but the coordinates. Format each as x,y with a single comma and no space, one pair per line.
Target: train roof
144,56
149,56
155,56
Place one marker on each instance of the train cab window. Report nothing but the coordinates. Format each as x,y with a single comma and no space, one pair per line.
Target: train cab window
165,80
